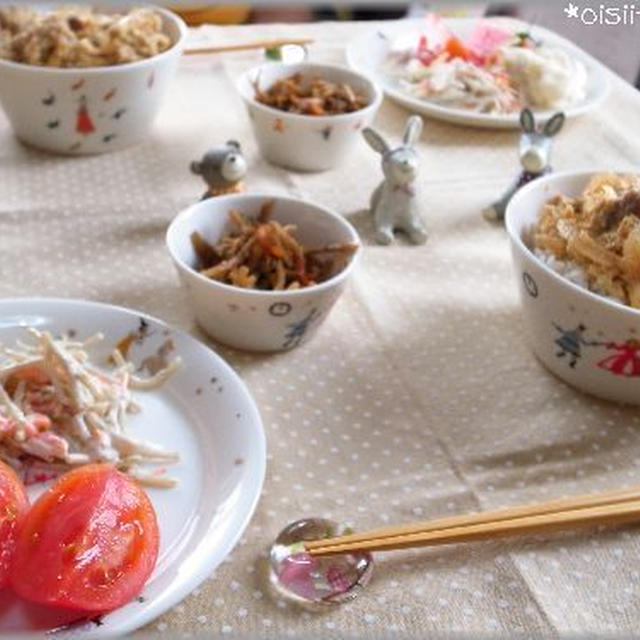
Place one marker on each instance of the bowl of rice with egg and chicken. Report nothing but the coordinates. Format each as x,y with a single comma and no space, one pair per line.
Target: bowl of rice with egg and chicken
575,240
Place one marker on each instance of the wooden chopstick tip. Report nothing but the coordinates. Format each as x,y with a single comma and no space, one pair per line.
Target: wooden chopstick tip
248,46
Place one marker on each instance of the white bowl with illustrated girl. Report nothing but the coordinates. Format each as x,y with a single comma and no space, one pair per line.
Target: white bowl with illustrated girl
590,341
300,141
89,110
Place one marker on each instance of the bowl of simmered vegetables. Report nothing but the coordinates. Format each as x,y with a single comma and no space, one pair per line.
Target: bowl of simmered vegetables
308,116
262,272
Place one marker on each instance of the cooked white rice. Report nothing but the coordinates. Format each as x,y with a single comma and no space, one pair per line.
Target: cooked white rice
571,271
566,268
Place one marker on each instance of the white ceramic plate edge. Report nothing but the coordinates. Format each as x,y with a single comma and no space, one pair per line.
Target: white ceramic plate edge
211,558
600,80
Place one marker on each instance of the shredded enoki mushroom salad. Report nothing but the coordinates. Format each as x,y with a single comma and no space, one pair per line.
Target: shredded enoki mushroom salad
58,410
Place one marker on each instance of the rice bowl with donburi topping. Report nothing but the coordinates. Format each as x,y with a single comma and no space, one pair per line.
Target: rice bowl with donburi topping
594,239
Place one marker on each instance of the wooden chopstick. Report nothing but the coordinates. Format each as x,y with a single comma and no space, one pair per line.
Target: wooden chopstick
562,504
613,514
604,508
260,44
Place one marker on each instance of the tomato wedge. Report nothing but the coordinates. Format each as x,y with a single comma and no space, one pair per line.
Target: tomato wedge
90,542
13,506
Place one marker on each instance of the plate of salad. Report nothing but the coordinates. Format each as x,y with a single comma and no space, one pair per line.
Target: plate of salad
479,73
131,460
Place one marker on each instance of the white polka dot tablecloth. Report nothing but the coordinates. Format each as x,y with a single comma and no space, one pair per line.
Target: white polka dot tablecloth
417,398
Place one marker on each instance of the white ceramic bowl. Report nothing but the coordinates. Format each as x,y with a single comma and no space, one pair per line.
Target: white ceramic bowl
584,338
307,143
247,318
92,110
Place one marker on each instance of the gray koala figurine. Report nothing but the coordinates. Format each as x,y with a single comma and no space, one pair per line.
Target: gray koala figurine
222,168
394,203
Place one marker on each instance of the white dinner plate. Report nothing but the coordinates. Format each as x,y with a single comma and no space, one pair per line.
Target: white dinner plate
369,52
206,414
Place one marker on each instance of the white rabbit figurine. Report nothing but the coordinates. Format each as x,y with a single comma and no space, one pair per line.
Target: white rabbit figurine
394,203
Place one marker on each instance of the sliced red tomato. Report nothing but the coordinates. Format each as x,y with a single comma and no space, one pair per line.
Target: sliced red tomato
90,542
13,506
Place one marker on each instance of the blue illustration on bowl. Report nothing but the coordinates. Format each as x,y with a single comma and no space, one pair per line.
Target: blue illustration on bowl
296,331
530,284
570,343
621,359
280,309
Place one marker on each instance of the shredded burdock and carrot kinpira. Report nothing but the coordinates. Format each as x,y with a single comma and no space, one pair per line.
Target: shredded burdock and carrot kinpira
264,254
310,96
58,410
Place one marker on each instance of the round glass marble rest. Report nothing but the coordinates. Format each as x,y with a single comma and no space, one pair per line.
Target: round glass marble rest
316,582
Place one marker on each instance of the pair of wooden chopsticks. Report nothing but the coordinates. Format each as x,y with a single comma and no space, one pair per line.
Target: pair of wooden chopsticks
612,508
246,46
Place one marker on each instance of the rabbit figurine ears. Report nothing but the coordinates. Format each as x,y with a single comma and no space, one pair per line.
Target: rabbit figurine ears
551,127
412,132
394,203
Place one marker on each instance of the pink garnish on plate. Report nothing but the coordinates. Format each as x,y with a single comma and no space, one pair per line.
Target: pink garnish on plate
436,37
433,39
485,39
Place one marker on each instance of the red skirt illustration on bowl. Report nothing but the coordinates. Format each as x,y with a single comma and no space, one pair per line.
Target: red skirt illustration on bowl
626,362
84,124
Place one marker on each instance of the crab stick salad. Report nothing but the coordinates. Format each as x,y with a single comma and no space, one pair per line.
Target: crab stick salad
59,411
493,71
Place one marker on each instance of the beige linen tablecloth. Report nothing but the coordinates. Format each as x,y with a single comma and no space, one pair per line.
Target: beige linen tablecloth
418,397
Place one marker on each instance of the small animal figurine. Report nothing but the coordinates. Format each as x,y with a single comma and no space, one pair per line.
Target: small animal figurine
394,203
222,168
535,148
